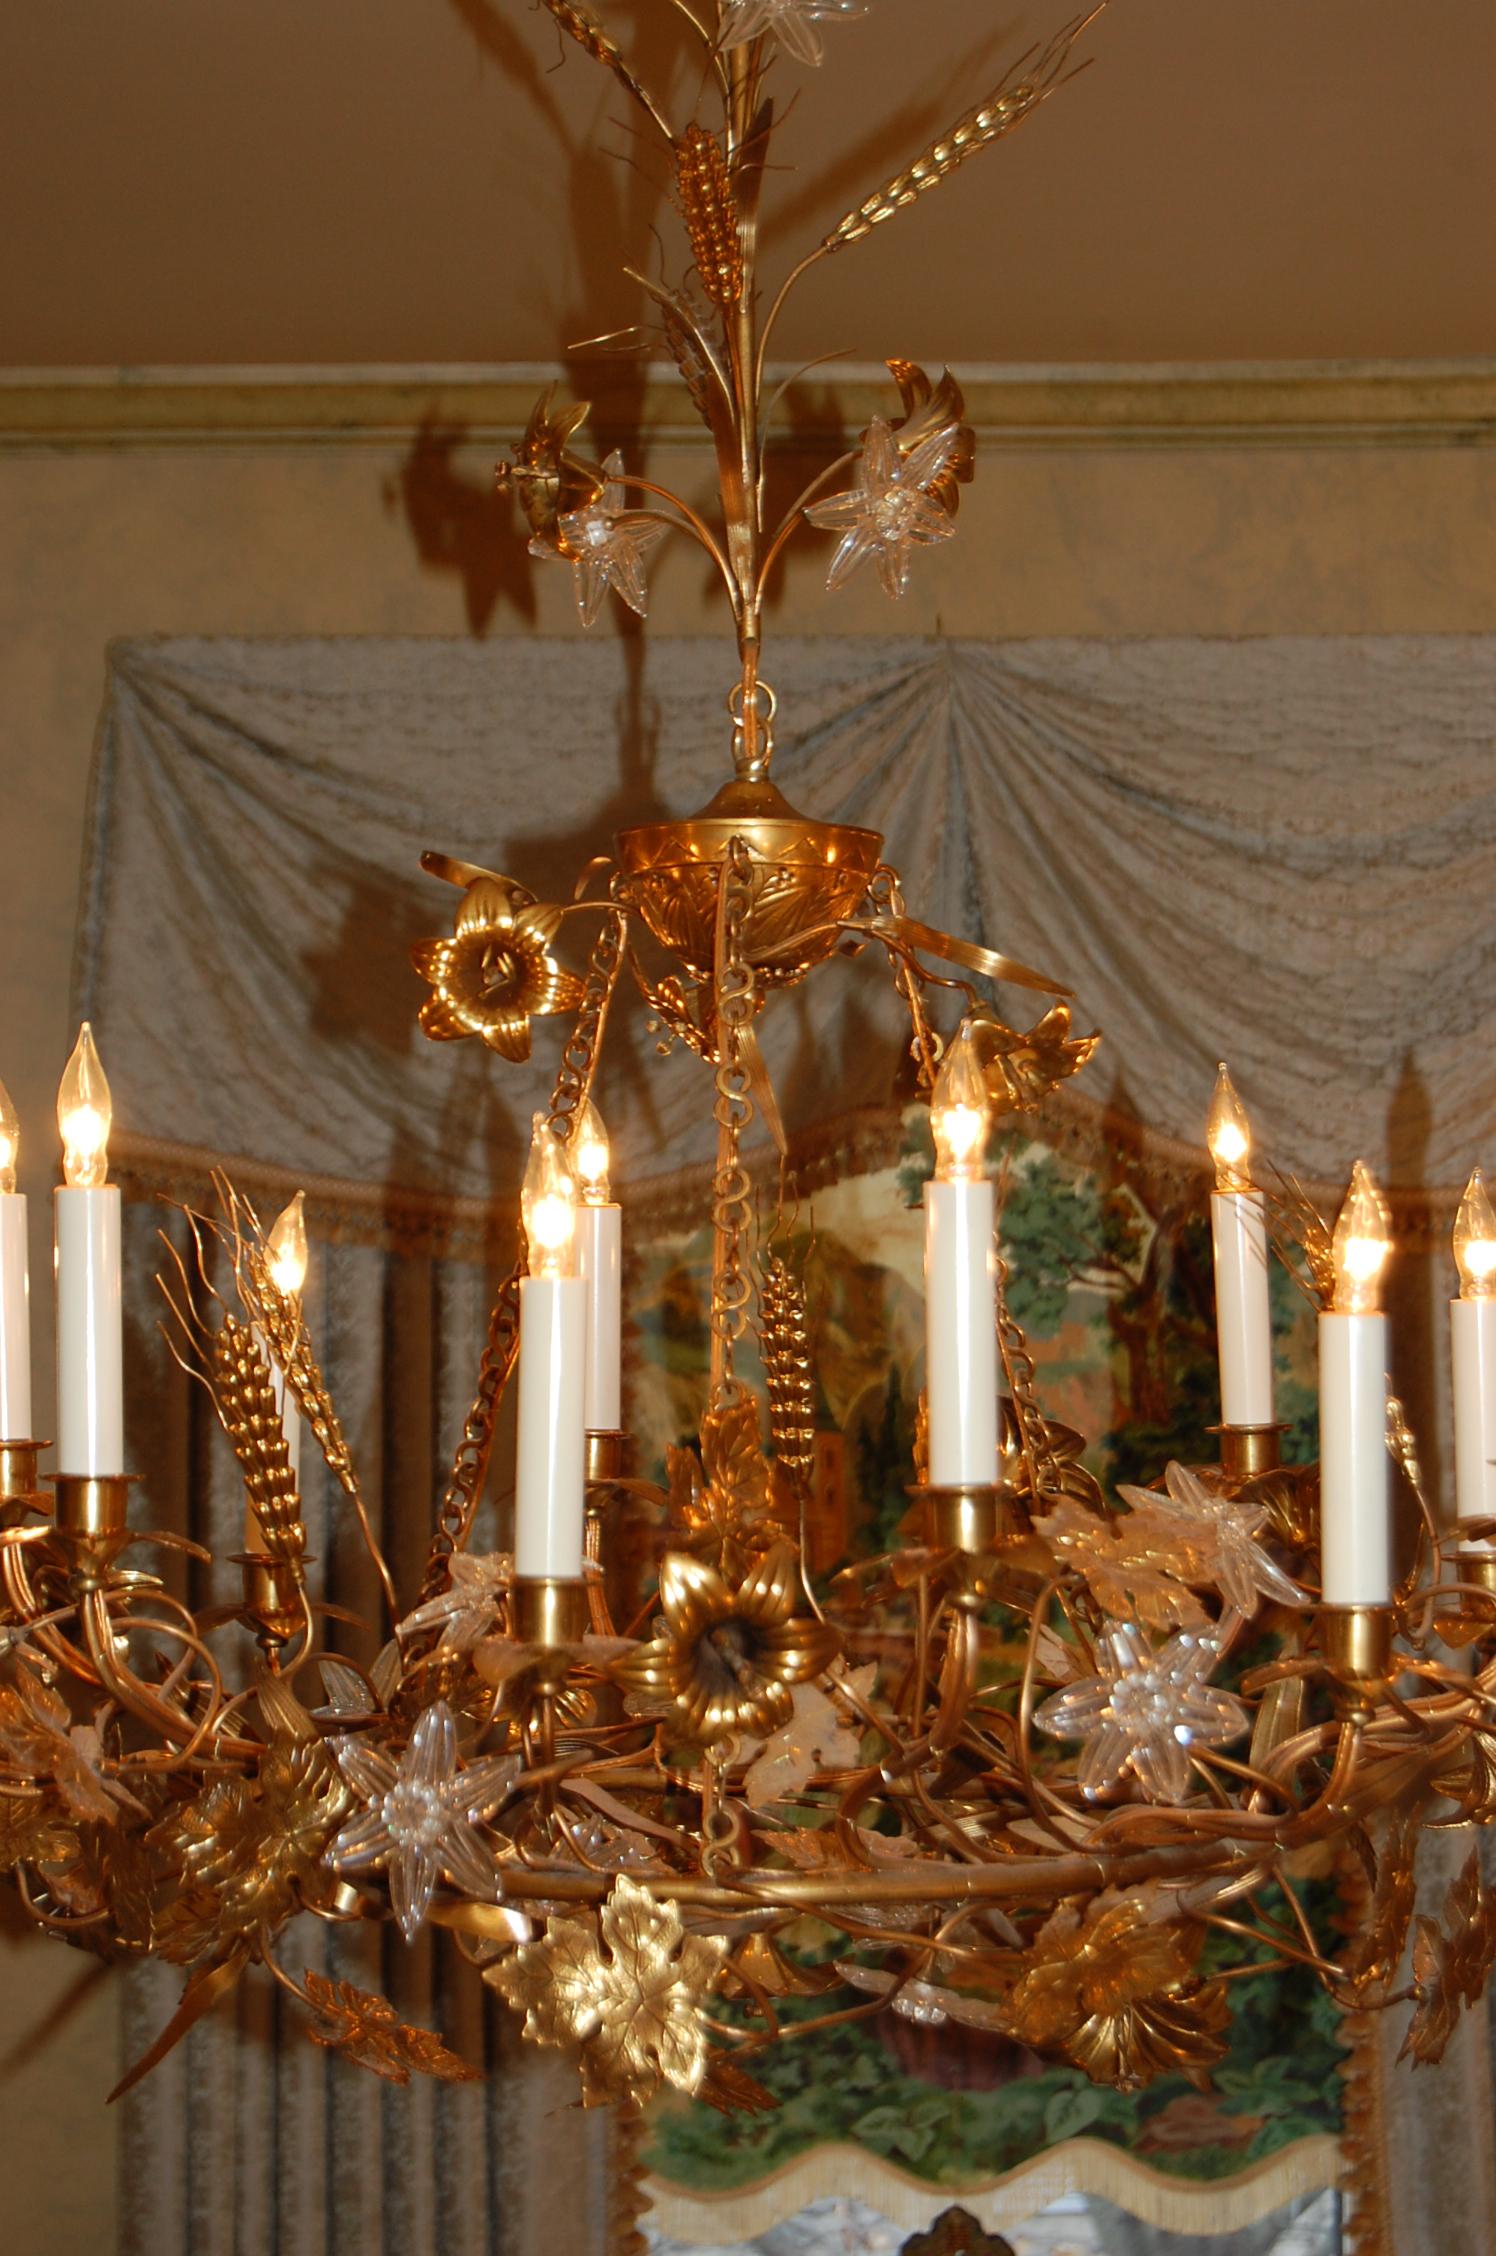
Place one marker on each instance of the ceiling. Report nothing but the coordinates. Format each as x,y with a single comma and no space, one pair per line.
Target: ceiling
315,181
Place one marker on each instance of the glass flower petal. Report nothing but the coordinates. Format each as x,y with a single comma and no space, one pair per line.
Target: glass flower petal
887,514
421,1815
1144,1711
792,22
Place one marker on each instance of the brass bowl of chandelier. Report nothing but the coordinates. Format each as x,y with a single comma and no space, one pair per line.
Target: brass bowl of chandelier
807,878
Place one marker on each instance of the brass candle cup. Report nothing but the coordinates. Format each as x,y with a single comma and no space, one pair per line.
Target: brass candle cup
1356,1644
1247,1451
550,1614
273,1604
605,1456
91,1519
20,1489
973,1517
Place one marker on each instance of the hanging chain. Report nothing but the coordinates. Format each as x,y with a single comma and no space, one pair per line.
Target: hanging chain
579,1058
459,1502
1021,1374
887,898
733,1112
454,1518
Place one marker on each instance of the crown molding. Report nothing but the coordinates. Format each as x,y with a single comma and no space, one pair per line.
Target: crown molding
1261,403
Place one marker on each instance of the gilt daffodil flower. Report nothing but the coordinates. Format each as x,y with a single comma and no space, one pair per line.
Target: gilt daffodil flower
496,973
727,1657
420,1816
1144,1712
889,512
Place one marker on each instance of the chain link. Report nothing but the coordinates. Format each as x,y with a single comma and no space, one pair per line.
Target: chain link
735,995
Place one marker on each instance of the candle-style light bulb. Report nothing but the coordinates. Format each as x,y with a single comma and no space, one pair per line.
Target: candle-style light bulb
1363,1240
960,1111
10,1141
548,1201
286,1249
589,1153
84,1112
1475,1241
1229,1136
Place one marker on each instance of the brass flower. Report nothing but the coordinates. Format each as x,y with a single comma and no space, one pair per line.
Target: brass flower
548,479
1117,1994
496,972
626,1986
727,1658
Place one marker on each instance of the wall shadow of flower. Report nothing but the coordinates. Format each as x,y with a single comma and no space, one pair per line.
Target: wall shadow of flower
460,525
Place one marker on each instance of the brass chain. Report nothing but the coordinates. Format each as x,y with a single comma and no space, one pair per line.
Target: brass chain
735,993
887,898
579,1058
459,1504
1021,1373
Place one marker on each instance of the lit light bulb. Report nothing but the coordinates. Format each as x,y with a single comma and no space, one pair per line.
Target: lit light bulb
83,1116
960,1111
1475,1241
1229,1136
589,1153
10,1141
548,1201
285,1248
1363,1240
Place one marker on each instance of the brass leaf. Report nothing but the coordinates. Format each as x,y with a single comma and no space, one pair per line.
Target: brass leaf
626,1985
365,2029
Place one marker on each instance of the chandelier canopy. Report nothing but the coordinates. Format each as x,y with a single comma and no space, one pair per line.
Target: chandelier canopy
1066,1792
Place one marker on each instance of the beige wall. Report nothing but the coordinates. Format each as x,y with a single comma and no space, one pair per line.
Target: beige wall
1100,539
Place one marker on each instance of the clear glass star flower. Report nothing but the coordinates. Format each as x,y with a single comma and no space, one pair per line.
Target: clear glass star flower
792,22
467,1609
888,513
1223,1533
606,545
1144,1712
420,1816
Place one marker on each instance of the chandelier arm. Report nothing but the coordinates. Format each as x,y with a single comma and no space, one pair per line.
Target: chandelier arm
781,300
1277,1943
137,1698
60,1923
789,524
690,520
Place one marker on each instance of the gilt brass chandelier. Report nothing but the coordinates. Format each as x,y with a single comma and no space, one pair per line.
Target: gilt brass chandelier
649,1832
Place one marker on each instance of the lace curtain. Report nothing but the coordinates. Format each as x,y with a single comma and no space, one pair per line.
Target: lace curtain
1279,851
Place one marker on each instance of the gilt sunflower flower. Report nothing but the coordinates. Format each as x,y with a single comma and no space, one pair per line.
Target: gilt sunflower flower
496,973
1117,1993
728,1657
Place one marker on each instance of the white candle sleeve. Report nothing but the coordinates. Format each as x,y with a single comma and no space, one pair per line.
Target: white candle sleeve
961,1334
1473,1341
600,1265
550,1479
15,1321
1244,1330
90,1362
1354,1468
